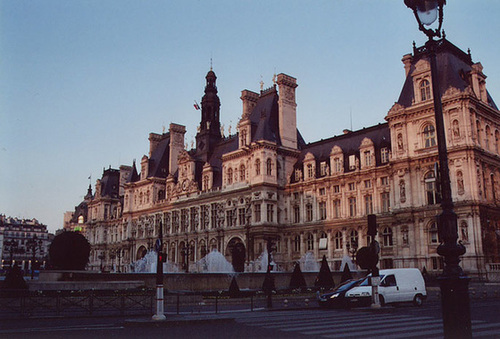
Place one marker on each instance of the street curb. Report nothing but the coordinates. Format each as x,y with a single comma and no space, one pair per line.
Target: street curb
175,321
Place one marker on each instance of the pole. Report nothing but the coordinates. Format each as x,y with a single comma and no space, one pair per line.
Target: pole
160,313
454,283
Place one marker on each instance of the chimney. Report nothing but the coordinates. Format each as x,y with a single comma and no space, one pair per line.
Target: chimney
176,145
287,115
407,59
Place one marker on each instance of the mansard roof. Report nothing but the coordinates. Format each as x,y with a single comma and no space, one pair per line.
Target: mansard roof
110,183
226,145
158,161
349,143
454,67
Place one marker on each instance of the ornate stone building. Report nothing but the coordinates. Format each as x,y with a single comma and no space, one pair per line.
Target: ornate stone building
233,193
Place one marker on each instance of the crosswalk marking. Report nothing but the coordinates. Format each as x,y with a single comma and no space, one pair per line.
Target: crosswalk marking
359,324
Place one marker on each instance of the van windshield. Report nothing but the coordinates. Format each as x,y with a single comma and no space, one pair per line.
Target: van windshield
366,281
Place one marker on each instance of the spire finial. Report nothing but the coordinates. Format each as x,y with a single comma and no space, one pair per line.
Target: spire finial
261,83
211,64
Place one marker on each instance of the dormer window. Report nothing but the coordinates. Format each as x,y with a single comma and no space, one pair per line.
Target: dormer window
384,155
425,90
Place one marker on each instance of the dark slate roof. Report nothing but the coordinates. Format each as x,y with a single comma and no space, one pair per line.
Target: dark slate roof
264,117
158,162
453,67
134,175
226,145
110,183
349,143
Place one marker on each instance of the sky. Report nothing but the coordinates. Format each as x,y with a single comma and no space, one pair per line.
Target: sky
83,83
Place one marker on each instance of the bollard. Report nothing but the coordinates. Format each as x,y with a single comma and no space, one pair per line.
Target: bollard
306,302
285,303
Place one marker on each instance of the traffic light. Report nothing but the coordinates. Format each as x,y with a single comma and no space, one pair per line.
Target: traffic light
372,225
162,257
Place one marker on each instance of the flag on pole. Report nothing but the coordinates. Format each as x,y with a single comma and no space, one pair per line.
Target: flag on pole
196,106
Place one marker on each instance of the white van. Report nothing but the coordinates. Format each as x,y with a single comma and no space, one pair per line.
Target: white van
396,285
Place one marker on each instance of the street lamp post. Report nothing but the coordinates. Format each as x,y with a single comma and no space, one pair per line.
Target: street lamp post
34,244
453,282
101,257
186,251
119,255
160,313
13,248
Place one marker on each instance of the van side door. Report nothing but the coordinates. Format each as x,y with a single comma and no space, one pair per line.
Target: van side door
389,289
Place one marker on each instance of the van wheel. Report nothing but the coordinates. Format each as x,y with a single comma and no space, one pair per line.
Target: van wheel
381,299
418,300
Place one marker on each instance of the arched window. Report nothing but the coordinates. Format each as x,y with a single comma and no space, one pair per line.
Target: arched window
269,166
161,194
429,136
338,240
487,132
431,189
493,184
257,166
310,242
230,176
242,173
353,239
433,233
387,237
425,90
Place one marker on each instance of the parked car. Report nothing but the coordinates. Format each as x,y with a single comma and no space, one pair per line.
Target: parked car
396,286
336,298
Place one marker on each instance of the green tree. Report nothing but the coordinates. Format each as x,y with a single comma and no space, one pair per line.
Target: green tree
69,251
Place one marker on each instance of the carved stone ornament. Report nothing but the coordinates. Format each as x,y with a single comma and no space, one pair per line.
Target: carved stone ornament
396,109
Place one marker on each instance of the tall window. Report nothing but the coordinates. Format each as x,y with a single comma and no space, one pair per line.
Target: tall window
387,237
296,214
386,202
497,141
352,206
322,210
193,218
338,240
241,216
309,212
431,189
256,211
323,168
242,173
353,238
229,176
336,208
213,216
337,165
310,173
257,167
429,136
478,132
310,242
384,155
425,90
487,132
269,166
230,218
433,233
270,212
296,243
368,204
368,158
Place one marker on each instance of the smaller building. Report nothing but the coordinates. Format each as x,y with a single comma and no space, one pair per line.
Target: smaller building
24,242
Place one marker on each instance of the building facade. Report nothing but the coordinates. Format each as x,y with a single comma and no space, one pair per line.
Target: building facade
24,242
234,193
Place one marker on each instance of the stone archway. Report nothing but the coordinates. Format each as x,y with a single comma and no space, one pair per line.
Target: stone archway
236,249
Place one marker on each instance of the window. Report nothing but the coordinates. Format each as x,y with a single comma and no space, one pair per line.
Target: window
184,220
322,191
322,210
437,263
270,212
242,173
478,132
336,208
193,218
352,162
497,142
310,171
433,233
425,90
352,206
368,204
230,218
487,133
338,240
213,216
387,237
368,183
386,202
337,165
353,238
384,181
296,214
368,158
230,176
257,167
384,155
431,189
429,136
323,167
310,242
404,232
256,211
241,216
269,167
309,212
352,186
336,189
296,243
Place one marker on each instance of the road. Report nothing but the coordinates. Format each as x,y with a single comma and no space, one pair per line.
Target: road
389,322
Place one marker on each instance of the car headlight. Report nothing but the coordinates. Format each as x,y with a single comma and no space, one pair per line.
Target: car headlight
365,294
334,295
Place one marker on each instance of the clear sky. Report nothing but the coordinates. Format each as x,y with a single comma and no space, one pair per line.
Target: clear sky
83,83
